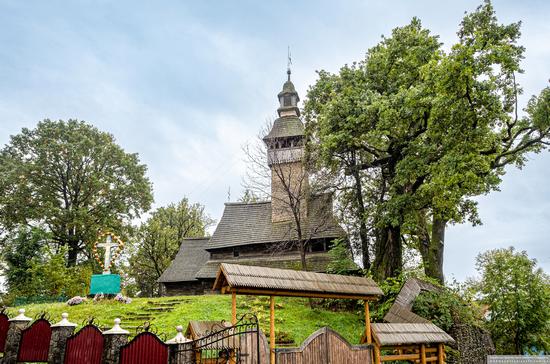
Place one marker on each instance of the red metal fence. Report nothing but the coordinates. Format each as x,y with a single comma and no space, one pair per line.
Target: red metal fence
35,342
146,348
4,326
85,347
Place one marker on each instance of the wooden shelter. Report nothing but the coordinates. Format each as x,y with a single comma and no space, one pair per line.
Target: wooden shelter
237,279
418,342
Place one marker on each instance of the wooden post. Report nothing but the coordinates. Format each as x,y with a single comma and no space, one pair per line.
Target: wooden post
233,308
272,329
422,354
377,358
367,323
441,354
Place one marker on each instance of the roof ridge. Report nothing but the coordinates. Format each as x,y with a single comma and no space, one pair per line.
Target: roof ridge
237,203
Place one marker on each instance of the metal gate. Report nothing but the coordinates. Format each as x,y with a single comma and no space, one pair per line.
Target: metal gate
146,348
35,342
237,344
4,326
85,347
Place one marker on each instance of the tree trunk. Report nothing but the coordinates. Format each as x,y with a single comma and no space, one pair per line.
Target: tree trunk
432,249
73,249
363,232
388,261
303,255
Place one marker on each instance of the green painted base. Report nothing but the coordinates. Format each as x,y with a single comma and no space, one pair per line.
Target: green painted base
105,283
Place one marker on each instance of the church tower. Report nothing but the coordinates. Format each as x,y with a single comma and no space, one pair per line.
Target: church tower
285,149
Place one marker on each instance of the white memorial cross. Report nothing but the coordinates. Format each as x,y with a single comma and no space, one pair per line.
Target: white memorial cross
107,245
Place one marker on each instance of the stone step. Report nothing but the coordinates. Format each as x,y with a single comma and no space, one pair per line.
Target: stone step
141,316
159,309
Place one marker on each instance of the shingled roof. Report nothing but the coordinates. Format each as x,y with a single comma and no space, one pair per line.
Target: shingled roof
250,223
401,310
403,334
287,282
316,262
189,260
286,126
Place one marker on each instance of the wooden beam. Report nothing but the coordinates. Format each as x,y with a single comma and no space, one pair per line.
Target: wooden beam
267,292
272,330
395,357
377,359
233,308
367,323
441,354
422,354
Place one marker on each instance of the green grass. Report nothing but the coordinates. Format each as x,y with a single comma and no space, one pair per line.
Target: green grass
294,319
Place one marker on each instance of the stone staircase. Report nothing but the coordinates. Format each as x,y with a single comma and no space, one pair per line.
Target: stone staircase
133,319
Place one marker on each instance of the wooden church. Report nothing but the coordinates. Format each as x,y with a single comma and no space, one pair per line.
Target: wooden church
269,233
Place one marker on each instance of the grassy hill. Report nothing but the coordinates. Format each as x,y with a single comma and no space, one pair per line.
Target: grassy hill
295,320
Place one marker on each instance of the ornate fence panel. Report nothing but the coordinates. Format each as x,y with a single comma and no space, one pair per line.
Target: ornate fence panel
35,342
242,343
325,346
146,348
4,327
85,347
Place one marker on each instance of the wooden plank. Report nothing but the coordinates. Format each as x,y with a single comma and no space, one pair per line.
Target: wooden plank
399,357
272,330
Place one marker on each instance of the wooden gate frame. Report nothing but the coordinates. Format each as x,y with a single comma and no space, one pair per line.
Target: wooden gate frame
24,335
75,337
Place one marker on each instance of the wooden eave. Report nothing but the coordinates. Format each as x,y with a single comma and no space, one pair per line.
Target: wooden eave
224,287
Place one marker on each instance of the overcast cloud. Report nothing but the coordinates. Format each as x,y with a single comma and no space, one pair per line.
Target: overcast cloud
186,84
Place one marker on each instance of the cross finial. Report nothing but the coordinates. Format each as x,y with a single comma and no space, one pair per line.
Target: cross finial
289,63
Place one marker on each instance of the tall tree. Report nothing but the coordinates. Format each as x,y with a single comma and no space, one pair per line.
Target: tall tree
74,180
518,296
428,130
159,238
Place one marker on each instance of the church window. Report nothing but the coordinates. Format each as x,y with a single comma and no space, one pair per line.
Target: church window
287,101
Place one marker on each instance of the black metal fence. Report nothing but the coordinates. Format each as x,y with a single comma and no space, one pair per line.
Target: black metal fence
239,344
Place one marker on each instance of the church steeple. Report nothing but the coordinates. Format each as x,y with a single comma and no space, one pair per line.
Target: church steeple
288,99
285,149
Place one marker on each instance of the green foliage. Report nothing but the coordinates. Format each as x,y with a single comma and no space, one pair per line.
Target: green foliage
446,308
73,179
518,297
415,132
158,240
341,260
34,269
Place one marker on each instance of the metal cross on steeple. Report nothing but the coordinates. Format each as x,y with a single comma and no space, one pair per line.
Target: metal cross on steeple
289,63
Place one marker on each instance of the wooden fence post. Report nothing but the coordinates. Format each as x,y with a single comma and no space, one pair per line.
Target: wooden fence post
233,308
272,329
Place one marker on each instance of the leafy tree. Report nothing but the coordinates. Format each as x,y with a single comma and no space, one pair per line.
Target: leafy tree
416,132
518,296
159,238
74,180
19,247
35,268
